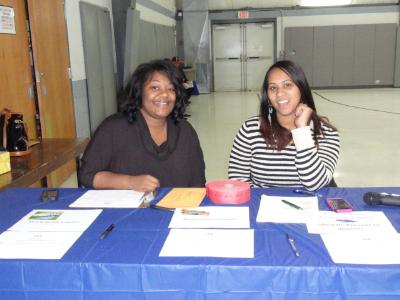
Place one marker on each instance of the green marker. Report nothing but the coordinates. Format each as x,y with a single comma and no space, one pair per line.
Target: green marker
291,204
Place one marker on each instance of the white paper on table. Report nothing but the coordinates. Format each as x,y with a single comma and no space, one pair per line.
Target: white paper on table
56,220
357,249
361,222
272,209
36,245
109,199
209,242
218,217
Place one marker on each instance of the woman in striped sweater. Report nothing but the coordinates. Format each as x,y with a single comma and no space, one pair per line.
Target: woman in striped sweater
288,144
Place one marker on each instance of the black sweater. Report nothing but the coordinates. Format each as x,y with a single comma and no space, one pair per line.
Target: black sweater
120,147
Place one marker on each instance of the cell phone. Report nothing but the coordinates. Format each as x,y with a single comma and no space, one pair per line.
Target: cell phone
49,195
339,205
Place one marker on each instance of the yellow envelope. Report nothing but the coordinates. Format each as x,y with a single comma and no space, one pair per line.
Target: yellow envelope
183,197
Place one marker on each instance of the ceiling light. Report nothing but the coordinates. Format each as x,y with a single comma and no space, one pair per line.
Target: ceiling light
324,2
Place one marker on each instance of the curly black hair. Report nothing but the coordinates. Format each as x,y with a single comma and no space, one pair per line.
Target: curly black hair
131,97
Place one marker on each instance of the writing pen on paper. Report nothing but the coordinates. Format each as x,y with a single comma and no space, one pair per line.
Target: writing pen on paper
107,231
304,192
293,245
154,206
291,204
194,212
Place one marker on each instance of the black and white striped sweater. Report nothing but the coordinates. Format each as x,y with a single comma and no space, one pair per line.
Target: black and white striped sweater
300,164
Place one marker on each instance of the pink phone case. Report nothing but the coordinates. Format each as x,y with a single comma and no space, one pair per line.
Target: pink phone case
339,205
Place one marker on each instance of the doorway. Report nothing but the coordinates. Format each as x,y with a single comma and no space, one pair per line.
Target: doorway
242,53
35,78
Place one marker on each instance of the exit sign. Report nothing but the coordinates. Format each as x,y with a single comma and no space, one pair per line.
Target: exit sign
243,14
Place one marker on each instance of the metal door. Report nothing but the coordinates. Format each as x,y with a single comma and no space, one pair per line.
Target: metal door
241,55
259,53
227,49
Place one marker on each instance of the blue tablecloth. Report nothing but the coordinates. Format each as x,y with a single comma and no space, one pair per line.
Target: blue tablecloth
126,264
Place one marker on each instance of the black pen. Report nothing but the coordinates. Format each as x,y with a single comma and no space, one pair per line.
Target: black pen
155,206
304,192
107,231
292,245
291,204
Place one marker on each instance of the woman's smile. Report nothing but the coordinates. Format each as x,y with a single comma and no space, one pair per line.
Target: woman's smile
158,97
283,94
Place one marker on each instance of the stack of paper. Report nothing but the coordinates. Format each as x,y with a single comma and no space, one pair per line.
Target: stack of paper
184,240
45,234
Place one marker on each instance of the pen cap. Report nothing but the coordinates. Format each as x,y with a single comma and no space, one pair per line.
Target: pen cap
228,191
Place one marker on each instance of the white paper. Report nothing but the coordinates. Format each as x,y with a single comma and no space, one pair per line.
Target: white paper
209,243
109,199
56,220
218,217
7,20
45,234
361,222
356,249
272,209
36,245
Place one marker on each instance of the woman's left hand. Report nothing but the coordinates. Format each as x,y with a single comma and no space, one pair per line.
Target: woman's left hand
303,115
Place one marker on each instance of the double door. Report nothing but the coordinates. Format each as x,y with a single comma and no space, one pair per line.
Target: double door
242,53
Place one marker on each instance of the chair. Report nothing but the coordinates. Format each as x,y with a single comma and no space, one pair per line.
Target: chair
332,183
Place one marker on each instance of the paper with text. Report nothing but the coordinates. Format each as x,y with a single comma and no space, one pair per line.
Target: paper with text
45,234
215,217
110,199
273,209
358,249
36,244
361,222
56,220
183,197
209,243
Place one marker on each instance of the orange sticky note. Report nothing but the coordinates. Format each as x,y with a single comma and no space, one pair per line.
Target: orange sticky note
183,198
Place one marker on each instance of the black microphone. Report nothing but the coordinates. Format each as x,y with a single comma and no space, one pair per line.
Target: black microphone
372,198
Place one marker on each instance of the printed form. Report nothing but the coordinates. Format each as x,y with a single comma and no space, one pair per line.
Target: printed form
211,217
202,240
209,243
45,234
362,237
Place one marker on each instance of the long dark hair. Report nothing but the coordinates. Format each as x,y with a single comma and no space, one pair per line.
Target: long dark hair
130,98
275,135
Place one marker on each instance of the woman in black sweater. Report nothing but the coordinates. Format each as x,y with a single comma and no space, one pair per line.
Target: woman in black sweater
149,144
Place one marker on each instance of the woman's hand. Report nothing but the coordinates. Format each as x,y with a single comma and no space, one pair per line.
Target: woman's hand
144,183
303,115
110,180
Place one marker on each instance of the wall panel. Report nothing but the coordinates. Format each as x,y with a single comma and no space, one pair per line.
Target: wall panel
343,57
364,46
385,54
323,56
299,48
